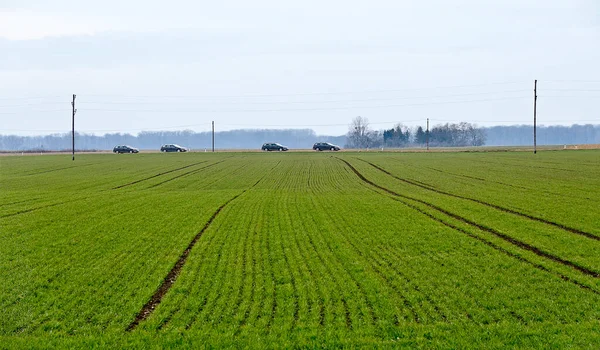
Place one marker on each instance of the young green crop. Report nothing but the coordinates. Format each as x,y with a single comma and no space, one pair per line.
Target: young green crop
301,249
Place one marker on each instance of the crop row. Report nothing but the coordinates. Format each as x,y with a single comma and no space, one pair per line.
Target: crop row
280,259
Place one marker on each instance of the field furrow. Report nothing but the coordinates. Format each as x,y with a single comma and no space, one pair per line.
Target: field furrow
296,249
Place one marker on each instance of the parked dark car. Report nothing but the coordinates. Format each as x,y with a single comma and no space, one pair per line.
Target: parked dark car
274,147
326,146
125,149
173,148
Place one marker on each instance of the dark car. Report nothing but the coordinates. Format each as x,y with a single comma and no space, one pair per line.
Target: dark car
173,148
326,146
274,147
125,149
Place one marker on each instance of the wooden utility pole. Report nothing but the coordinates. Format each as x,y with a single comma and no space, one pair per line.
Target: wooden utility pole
535,117
73,125
427,134
213,136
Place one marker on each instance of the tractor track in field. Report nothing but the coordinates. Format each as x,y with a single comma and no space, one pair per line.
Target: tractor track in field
502,164
25,211
171,277
57,169
496,247
505,184
157,175
185,174
494,206
202,305
494,232
19,202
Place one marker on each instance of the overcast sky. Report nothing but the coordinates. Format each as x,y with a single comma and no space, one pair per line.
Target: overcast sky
149,65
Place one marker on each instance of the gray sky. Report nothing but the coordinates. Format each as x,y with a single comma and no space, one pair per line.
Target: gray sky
143,65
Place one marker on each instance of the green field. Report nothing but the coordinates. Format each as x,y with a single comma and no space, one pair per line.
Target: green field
432,250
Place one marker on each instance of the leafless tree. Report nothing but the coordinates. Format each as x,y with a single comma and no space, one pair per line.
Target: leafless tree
358,133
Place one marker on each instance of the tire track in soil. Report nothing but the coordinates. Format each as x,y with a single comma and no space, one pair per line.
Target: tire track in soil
191,172
494,232
25,211
19,202
504,184
496,247
492,245
526,165
59,169
212,306
494,206
222,245
208,246
171,277
157,175
202,305
407,280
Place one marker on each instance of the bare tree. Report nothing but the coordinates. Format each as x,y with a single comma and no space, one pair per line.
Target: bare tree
358,133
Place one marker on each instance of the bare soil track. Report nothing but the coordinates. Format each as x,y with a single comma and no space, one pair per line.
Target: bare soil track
171,277
506,210
504,237
55,169
157,175
191,172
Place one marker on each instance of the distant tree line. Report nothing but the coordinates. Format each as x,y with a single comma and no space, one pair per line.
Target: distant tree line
444,135
517,135
359,135
234,139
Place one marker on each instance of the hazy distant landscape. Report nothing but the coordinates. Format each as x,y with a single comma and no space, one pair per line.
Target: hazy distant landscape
293,138
428,215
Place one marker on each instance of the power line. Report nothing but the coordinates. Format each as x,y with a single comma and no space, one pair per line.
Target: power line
37,111
581,90
28,98
327,101
572,81
312,93
32,104
298,109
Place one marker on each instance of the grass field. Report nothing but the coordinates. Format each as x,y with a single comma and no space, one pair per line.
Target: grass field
432,250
